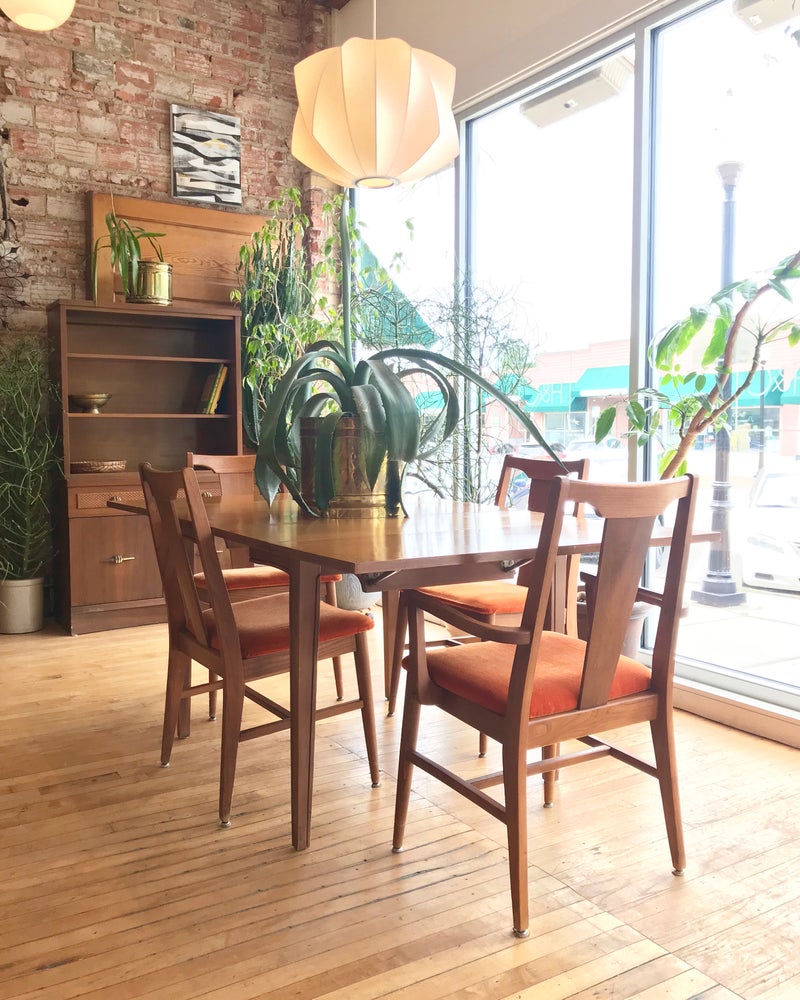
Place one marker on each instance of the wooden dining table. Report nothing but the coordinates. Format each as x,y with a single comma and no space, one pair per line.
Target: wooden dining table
440,541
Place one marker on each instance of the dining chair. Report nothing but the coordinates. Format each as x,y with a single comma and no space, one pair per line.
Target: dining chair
244,578
501,601
529,687
238,643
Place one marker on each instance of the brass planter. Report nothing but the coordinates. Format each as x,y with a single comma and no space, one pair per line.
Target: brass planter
153,284
352,495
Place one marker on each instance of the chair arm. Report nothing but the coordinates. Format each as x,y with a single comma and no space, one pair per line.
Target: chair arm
465,622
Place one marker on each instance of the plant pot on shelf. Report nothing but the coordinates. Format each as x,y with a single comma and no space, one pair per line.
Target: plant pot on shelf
153,284
21,606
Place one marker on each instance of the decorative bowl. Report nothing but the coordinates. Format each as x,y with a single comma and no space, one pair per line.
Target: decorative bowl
90,402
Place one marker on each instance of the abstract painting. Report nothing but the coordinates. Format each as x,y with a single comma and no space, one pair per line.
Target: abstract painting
206,156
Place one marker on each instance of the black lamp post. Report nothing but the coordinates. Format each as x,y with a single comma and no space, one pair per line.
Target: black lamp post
718,588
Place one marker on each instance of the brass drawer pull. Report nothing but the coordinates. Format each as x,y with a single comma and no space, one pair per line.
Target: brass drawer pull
117,559
115,499
206,494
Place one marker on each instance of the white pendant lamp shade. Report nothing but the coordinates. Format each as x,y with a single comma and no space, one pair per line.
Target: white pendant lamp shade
374,112
38,15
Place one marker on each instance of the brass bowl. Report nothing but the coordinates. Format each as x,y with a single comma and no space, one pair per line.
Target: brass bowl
90,402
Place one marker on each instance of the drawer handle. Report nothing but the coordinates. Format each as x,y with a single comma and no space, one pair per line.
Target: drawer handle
206,494
115,499
117,559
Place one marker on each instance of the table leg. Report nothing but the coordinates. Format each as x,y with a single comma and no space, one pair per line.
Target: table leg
389,601
304,627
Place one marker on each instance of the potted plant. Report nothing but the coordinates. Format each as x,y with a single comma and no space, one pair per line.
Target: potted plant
714,333
335,424
143,280
29,457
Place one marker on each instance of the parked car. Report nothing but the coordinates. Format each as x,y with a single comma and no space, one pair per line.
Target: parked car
608,460
771,549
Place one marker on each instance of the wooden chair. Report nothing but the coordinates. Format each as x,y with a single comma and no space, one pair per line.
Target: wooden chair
243,578
238,643
499,601
528,687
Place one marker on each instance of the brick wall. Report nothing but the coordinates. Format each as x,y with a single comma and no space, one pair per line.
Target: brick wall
86,108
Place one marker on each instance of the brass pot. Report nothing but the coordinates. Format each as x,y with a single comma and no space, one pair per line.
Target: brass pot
153,284
352,494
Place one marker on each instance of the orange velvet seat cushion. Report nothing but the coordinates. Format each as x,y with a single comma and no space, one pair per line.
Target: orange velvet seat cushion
263,624
485,598
250,577
480,672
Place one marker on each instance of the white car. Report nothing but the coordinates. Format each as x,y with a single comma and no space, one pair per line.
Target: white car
771,550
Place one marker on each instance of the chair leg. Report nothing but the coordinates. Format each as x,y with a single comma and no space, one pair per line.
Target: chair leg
330,598
232,709
212,699
401,628
549,777
408,742
364,681
483,744
516,816
664,750
176,706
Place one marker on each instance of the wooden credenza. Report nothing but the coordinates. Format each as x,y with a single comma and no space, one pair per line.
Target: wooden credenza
154,362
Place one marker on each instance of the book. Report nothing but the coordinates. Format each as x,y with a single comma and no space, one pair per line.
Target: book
209,395
222,374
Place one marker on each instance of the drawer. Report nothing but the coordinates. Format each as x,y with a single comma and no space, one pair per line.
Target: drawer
111,560
87,502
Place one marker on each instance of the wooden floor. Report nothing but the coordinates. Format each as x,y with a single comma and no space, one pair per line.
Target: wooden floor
118,883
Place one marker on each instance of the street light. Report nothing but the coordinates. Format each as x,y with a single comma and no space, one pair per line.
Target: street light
718,588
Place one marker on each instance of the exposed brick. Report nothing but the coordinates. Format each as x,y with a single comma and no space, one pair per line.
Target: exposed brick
230,70
64,207
92,65
117,158
154,53
31,145
111,43
213,98
192,63
70,148
57,118
134,75
98,127
16,112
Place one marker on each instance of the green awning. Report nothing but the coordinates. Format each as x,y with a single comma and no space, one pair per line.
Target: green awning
609,381
791,394
552,397
766,388
388,317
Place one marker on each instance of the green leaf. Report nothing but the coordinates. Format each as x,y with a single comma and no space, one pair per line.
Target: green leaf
794,336
637,415
716,345
604,423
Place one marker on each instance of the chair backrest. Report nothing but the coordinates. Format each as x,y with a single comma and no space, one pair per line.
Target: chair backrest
163,492
236,472
541,472
629,512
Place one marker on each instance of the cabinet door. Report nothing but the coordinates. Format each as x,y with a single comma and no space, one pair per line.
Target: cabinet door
112,560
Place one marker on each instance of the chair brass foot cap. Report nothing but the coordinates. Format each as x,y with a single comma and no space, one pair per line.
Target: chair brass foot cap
376,784
549,805
521,934
164,763
225,823
678,871
212,718
397,850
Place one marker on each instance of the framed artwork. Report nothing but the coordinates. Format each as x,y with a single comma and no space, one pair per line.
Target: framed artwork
206,156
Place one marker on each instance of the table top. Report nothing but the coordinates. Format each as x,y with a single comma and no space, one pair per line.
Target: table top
450,540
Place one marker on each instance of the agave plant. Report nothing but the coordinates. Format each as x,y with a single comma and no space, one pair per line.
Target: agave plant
328,383
125,243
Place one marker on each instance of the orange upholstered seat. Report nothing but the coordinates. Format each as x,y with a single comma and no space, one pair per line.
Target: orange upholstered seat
257,578
484,598
481,673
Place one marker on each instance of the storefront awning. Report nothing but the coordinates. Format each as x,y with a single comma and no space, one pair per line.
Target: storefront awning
609,381
551,397
791,394
764,387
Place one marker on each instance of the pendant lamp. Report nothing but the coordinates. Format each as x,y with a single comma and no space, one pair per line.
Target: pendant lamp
38,15
374,113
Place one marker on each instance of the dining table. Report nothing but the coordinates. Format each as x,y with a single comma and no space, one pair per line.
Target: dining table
438,541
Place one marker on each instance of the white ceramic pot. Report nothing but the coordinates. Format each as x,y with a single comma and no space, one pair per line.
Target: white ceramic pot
21,606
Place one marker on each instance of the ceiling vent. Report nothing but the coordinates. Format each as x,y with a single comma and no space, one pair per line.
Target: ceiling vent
598,84
760,14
